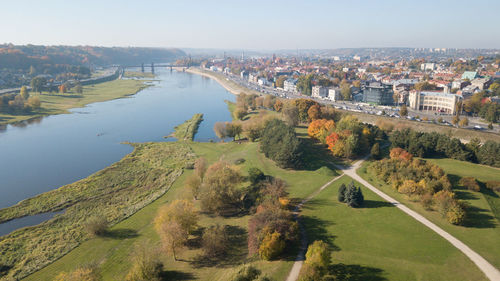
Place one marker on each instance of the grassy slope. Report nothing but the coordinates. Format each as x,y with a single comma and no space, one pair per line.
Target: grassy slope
60,103
112,253
380,242
482,230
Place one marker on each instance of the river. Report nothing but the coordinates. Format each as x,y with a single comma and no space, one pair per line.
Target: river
62,149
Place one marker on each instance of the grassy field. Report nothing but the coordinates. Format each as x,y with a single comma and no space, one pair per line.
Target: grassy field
112,254
114,193
481,230
379,242
55,103
137,74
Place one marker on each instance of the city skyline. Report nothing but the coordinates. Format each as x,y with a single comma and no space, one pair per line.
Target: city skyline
258,25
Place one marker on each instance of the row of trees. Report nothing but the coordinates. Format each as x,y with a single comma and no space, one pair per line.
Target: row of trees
434,144
421,181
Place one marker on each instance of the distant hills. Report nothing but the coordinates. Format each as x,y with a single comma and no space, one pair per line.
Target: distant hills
23,57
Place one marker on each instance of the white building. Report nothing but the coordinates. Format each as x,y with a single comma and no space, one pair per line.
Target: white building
319,92
428,66
334,94
433,101
290,85
262,81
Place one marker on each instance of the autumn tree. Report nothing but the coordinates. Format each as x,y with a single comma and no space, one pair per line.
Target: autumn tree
278,105
464,122
314,112
280,81
200,167
218,192
62,89
193,183
24,92
455,120
272,246
34,102
215,241
146,265
290,114
174,222
403,111
233,129
79,88
316,263
375,151
37,84
345,91
319,129
220,130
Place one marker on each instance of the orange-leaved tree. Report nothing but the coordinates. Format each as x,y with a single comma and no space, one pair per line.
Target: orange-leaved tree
320,128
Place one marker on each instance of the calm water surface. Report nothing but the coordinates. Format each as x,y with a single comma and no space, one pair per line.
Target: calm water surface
64,148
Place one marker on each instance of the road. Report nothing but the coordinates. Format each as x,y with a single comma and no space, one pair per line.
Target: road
489,270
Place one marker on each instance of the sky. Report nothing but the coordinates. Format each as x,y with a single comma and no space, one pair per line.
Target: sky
253,24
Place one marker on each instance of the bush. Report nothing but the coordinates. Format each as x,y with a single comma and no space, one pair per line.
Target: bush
96,226
375,151
272,246
247,273
470,183
456,213
318,254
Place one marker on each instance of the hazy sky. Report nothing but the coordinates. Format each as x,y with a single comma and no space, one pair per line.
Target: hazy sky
253,24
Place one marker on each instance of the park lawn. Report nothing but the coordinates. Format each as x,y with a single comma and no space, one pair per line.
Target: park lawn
112,254
55,103
481,230
380,242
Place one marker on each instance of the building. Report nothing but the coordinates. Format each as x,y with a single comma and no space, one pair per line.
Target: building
471,75
290,85
262,81
433,101
459,84
334,94
319,92
428,66
378,93
481,83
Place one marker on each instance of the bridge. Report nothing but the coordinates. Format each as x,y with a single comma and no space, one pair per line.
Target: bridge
153,65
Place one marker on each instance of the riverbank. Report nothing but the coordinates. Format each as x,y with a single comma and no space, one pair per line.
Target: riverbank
55,103
113,194
188,129
229,85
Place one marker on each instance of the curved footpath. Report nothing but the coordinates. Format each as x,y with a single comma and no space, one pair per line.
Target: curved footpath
489,270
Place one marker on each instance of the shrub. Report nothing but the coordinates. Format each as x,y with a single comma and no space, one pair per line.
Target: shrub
247,273
470,183
456,213
272,246
318,254
375,151
96,226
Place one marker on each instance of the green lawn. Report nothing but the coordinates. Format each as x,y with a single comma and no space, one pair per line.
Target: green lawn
380,242
112,254
55,103
481,230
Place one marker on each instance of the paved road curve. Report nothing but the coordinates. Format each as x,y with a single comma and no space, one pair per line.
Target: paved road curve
489,270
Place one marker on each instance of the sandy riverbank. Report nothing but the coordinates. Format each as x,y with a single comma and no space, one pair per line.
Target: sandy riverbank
229,85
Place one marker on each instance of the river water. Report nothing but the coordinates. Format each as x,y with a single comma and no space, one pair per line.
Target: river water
62,149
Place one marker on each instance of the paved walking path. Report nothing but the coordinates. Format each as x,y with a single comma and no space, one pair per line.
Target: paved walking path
489,270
